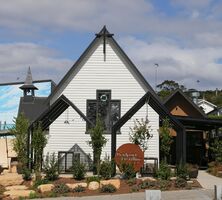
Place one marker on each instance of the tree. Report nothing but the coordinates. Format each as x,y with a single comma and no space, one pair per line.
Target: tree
217,149
20,130
140,134
165,139
97,142
167,87
38,143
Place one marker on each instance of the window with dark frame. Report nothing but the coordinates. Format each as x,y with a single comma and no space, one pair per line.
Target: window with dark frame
105,108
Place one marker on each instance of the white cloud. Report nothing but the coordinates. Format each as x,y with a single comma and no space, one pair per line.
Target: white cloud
185,65
45,64
71,14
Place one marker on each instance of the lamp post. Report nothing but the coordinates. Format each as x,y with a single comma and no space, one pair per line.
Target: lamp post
156,66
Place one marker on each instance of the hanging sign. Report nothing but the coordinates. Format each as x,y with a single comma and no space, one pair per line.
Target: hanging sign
130,154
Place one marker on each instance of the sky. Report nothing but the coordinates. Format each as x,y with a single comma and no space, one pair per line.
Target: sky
183,37
10,99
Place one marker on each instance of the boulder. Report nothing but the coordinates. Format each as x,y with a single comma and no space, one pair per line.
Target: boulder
190,182
173,178
16,187
114,182
11,179
148,179
45,188
15,194
74,185
93,185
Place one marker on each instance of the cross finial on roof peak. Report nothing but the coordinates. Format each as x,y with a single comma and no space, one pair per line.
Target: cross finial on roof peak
104,32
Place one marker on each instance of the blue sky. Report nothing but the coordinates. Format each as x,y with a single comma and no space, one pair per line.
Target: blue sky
10,98
183,37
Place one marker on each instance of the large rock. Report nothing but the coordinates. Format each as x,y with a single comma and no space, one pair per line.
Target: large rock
74,185
45,188
11,179
15,194
114,182
93,185
16,187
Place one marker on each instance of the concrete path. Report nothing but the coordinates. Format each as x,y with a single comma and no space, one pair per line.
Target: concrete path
208,181
169,195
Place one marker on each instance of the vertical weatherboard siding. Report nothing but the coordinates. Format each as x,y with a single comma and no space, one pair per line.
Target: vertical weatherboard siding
93,74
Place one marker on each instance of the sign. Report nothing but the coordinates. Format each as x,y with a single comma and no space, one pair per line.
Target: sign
131,154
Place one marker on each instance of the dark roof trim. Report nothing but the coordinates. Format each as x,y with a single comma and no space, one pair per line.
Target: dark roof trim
187,98
74,67
200,122
55,110
156,105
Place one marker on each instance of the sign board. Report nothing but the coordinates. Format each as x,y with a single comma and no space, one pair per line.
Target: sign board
131,154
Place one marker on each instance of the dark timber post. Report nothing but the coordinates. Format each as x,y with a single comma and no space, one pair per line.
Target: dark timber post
113,149
181,146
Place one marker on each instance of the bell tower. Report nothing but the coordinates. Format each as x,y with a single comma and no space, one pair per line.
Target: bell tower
28,87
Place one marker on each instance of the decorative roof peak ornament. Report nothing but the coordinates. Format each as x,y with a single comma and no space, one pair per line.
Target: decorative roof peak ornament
104,33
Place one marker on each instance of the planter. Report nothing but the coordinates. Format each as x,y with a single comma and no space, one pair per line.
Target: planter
193,173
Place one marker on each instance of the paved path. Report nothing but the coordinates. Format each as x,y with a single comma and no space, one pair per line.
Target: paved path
169,195
208,181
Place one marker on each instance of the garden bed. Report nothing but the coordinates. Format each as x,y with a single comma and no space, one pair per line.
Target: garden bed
126,186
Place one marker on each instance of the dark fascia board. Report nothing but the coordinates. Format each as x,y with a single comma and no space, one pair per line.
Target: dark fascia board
74,67
157,106
187,99
22,82
203,121
68,102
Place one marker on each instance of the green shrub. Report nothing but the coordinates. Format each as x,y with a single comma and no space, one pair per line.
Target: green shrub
180,183
135,188
164,171
79,170
40,182
147,184
131,181
128,170
106,169
93,178
181,171
164,184
33,195
26,174
2,189
60,188
108,188
50,167
79,188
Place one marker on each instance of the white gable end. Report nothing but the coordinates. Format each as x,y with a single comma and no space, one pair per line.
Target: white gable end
96,73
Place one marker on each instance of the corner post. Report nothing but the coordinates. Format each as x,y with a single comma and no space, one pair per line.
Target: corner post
113,149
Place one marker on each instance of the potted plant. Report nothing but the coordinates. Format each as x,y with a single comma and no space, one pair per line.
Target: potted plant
192,170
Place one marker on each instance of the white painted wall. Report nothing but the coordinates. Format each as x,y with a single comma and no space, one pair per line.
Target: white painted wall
95,73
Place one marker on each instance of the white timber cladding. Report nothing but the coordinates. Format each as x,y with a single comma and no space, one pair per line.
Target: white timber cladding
95,73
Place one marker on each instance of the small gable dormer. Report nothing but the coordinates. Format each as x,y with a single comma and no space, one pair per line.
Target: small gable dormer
28,87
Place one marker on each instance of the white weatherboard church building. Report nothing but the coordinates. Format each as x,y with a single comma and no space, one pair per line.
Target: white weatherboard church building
103,82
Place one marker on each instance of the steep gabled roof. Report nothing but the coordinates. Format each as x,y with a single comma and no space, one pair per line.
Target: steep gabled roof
55,110
107,35
178,91
32,109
